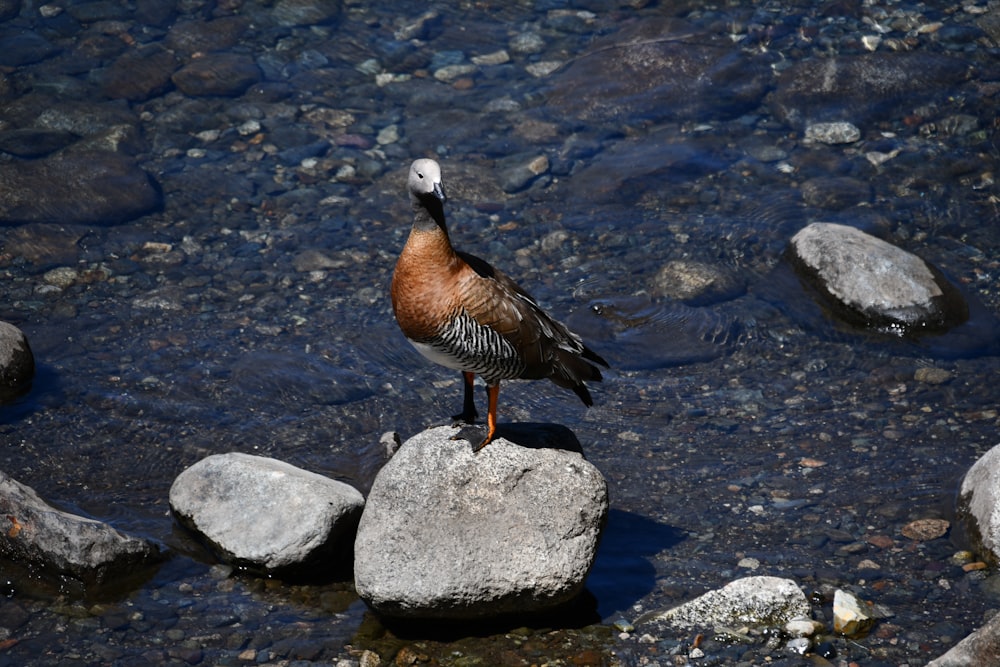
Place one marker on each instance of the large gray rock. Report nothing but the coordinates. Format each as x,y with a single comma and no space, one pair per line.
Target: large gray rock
979,503
872,283
266,515
37,535
17,363
452,534
982,647
753,601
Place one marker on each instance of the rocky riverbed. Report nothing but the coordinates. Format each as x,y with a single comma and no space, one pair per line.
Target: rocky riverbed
201,204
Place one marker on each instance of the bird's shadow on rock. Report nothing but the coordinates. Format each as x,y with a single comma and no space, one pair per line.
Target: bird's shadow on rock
532,435
623,571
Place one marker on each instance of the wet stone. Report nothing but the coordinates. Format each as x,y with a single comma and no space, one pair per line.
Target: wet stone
835,193
865,87
306,12
756,601
62,543
23,48
31,142
139,75
873,283
99,188
832,133
225,74
193,36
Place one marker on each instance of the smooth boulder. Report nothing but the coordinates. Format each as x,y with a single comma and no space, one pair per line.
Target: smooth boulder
37,535
754,601
268,516
874,284
452,534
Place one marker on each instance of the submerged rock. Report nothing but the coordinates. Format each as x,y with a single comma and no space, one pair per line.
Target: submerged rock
17,363
267,515
93,188
657,70
862,88
872,283
448,533
40,536
753,601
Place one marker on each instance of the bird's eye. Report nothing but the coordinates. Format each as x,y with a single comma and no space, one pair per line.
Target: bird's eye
419,175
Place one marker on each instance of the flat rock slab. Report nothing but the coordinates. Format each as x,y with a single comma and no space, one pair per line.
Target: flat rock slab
753,601
35,534
448,533
869,282
266,515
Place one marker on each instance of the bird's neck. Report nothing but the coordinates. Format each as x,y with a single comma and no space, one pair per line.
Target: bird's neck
429,238
428,215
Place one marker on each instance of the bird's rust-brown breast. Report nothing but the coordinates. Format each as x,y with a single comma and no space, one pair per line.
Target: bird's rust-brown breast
425,285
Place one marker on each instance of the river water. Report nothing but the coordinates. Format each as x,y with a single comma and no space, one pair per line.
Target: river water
608,155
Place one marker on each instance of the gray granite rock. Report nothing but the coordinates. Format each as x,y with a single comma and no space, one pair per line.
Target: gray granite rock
452,534
982,647
40,536
268,516
17,363
875,284
753,601
979,503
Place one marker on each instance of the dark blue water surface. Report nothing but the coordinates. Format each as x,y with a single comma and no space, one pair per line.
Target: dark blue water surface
594,150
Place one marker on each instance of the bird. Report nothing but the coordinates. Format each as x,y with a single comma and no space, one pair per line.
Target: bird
462,313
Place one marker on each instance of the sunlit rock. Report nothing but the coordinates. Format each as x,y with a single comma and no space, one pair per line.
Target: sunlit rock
869,282
982,647
267,515
850,616
979,504
40,537
448,533
754,601
17,363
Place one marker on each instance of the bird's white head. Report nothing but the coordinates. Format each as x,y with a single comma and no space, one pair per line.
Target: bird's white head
425,179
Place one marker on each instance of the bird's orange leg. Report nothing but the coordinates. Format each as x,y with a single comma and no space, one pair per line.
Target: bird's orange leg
468,414
493,392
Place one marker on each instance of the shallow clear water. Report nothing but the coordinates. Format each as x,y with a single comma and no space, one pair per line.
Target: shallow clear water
742,433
